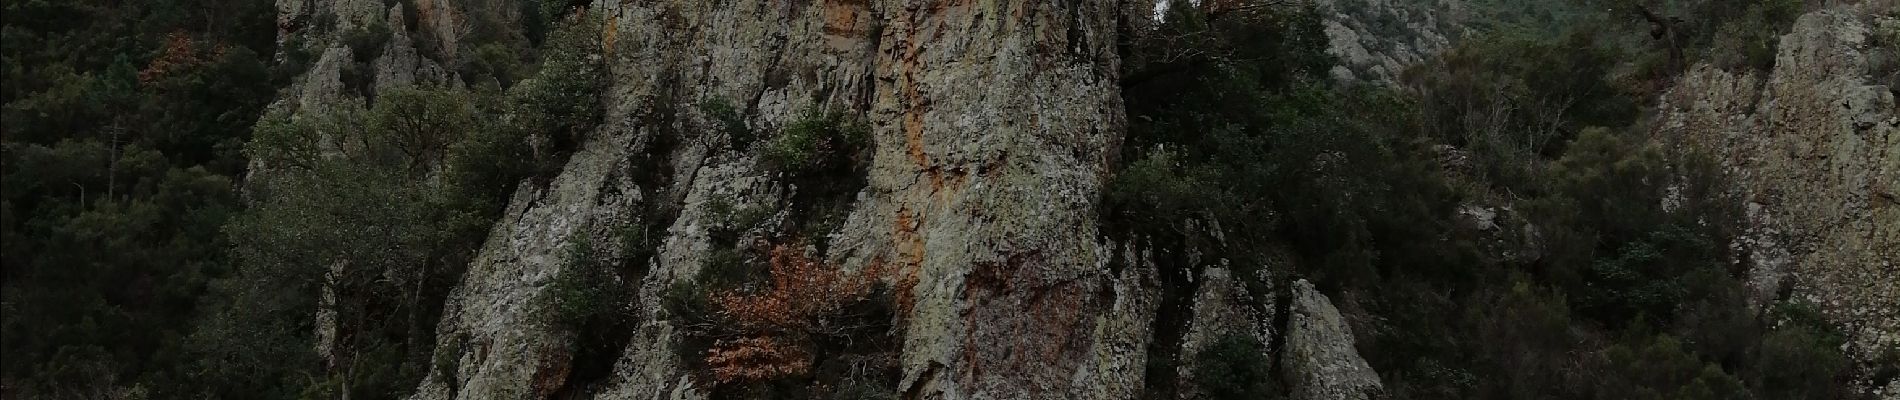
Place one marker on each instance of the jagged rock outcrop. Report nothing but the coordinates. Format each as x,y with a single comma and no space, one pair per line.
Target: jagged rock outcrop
1814,149
401,64
1318,360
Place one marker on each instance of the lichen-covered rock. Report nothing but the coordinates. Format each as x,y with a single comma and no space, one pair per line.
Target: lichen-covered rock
321,90
400,64
1223,306
494,336
1814,149
1318,360
1125,331
994,122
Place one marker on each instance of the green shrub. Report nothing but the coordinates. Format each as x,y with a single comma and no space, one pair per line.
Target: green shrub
687,303
638,244
728,121
367,42
1234,367
493,64
1658,367
484,166
726,220
563,98
818,143
1159,192
1799,363
583,290
1749,40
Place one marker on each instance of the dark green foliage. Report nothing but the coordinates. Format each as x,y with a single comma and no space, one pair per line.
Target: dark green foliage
1659,367
817,144
1200,126
420,125
727,120
358,231
367,42
534,22
116,178
492,64
1511,99
1750,40
483,168
496,51
562,100
1234,367
590,301
418,234
1800,358
583,289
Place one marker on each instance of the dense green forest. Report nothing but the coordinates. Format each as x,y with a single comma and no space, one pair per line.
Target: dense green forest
146,255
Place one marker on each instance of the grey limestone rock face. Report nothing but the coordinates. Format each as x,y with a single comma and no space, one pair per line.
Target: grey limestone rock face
1813,148
1318,360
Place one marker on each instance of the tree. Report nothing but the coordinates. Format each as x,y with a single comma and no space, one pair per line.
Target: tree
421,123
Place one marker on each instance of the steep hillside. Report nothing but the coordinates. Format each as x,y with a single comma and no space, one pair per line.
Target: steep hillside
957,199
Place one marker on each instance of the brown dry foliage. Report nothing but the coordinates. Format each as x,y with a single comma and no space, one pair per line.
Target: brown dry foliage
804,293
756,359
180,53
806,298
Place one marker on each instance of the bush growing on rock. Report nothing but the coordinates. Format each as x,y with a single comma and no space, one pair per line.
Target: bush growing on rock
562,100
727,121
584,289
816,144
781,335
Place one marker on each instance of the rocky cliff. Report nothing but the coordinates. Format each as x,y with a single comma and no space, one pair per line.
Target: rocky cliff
1814,149
990,123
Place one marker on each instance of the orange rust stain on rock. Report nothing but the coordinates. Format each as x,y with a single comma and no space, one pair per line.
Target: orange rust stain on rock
553,371
910,245
910,71
841,18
